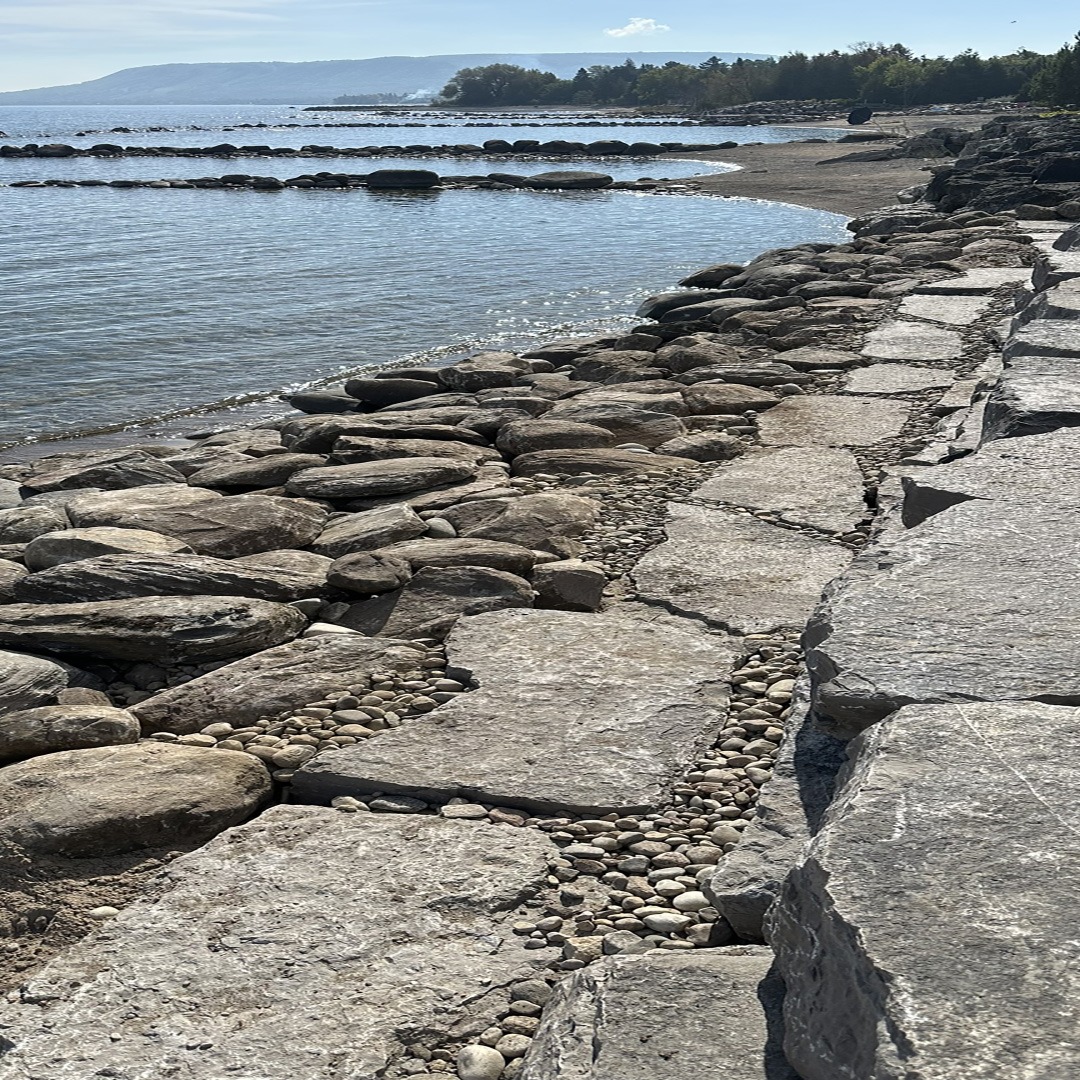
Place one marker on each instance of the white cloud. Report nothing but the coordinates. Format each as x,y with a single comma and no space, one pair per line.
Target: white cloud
638,26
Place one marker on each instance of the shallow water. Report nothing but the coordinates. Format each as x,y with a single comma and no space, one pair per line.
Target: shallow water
127,305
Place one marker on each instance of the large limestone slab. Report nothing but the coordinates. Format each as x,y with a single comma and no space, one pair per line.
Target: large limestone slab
978,282
912,341
1035,394
1044,337
831,420
271,682
930,930
954,310
682,1016
737,572
308,943
895,379
1040,469
979,603
746,883
820,486
573,712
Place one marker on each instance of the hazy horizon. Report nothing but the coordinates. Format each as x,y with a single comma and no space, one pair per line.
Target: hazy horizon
55,42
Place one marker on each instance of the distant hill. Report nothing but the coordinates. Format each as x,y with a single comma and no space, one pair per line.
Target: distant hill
315,82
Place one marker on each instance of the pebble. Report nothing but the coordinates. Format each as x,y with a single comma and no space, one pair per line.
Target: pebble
513,1046
103,913
479,1063
398,804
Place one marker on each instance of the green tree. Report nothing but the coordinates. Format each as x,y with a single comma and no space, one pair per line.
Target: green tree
1058,82
498,84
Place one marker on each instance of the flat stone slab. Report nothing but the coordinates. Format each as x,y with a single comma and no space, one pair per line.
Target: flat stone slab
1035,394
737,572
947,823
895,379
1044,337
979,603
307,943
1053,267
953,310
831,420
574,712
912,341
1036,469
682,1016
978,282
820,486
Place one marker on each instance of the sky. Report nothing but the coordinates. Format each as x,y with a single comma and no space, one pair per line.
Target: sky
52,42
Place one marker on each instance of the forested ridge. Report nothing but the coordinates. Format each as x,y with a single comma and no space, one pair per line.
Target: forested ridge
882,74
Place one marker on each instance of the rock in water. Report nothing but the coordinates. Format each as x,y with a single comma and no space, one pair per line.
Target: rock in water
168,630
301,889
113,799
402,180
569,181
988,983
271,682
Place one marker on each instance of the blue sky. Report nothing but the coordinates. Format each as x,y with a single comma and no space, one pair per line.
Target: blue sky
46,42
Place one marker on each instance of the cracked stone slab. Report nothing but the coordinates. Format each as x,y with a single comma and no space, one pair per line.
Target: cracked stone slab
573,712
912,341
831,420
978,603
267,939
1040,469
977,282
821,486
655,1015
1035,394
895,379
954,310
930,929
735,571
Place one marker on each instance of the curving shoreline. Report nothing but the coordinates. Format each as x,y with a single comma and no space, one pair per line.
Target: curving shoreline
532,631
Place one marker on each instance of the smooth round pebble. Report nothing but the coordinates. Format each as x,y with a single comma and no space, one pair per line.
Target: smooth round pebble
480,1063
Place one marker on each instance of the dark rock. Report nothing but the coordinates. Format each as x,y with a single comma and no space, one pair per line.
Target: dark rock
389,477
402,180
368,531
462,551
569,181
370,573
379,392
106,469
528,436
264,472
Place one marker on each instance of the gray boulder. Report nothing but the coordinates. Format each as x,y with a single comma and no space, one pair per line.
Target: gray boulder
569,181
378,393
10,494
120,577
546,522
210,524
272,682
28,681
164,630
656,306
352,449
300,573
369,530
270,471
23,523
599,462
706,398
114,799
435,598
485,370
70,545
987,983
463,551
370,573
687,353
528,436
106,469
402,180
10,574
51,728
569,585
374,478
627,423
703,446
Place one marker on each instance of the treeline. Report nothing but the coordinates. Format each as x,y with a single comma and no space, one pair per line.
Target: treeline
881,74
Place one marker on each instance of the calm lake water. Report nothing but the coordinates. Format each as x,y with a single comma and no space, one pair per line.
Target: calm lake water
123,306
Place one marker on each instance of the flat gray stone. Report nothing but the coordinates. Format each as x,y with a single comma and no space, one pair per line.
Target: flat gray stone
1043,470
1060,302
374,478
828,420
1035,394
953,310
654,1015
912,341
746,883
575,713
916,937
1044,337
271,682
736,572
71,545
977,282
820,486
979,603
270,937
895,379
28,681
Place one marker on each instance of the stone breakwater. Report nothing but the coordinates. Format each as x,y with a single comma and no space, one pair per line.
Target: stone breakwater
531,655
